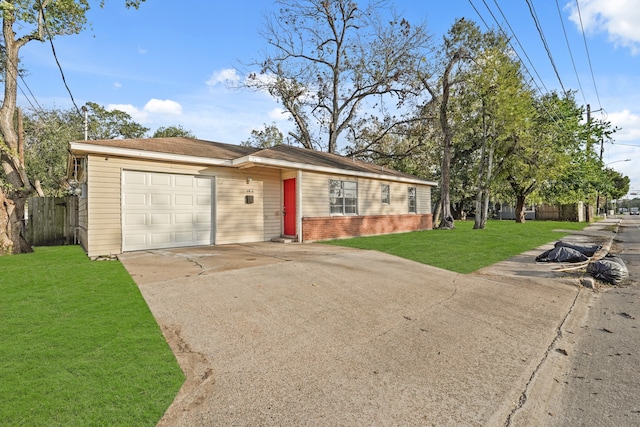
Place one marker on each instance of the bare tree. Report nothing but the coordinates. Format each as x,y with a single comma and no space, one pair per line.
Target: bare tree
326,59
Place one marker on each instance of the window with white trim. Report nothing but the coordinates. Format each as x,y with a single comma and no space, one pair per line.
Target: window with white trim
343,197
385,194
411,197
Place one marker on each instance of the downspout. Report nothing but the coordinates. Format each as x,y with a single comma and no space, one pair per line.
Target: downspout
299,206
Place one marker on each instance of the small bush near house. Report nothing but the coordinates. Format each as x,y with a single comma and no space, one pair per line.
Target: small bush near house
79,344
464,249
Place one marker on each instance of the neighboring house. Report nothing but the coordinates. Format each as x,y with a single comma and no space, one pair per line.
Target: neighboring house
140,194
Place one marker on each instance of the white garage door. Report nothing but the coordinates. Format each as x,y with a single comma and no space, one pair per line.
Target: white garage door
165,210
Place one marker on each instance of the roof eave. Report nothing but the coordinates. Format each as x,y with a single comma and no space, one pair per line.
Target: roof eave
248,161
254,161
84,148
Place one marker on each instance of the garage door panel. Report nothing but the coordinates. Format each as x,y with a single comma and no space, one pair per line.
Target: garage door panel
165,210
203,200
203,182
183,218
134,178
203,219
184,200
160,219
184,237
183,181
160,238
133,219
160,180
135,240
160,199
136,199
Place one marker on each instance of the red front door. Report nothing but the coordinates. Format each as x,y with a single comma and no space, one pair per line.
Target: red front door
289,209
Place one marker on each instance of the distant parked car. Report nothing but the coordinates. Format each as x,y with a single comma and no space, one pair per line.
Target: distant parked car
634,211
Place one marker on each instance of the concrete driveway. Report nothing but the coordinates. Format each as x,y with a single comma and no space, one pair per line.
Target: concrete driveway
312,334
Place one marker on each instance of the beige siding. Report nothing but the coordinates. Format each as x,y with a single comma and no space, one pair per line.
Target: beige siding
424,199
315,196
235,221
272,189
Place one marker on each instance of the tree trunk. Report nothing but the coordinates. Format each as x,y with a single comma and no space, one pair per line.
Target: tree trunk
483,182
520,213
437,213
12,225
447,219
12,201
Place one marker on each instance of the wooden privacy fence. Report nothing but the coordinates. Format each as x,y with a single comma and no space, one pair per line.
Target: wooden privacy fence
52,221
574,212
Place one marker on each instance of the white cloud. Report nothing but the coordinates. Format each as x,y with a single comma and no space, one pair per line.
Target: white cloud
117,85
152,110
228,75
142,51
166,107
620,19
629,124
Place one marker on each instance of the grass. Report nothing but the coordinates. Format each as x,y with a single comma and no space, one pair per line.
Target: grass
463,249
79,345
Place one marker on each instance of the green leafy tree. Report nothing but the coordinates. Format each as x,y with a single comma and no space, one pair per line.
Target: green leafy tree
493,111
545,150
172,132
112,124
47,135
23,22
270,136
48,132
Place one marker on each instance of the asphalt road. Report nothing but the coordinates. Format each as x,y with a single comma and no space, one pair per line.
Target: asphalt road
601,384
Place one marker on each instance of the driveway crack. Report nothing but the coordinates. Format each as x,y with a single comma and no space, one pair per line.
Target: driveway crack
525,393
200,266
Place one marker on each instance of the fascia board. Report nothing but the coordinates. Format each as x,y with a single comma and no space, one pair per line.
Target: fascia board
262,161
144,154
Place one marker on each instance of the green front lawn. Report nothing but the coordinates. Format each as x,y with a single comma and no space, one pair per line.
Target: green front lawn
78,344
464,249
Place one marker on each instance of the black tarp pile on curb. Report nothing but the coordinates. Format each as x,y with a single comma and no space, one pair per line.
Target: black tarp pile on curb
610,269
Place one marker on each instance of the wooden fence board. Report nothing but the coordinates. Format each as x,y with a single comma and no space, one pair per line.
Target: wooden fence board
52,220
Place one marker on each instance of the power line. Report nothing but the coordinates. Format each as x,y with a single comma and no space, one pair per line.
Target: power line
534,15
10,70
524,52
55,56
564,31
584,37
552,116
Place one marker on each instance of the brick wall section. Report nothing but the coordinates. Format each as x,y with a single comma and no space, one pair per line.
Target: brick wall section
336,227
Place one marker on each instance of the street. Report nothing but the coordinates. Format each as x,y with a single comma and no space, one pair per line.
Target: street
601,383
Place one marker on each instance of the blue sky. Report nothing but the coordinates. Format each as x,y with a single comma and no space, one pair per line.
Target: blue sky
164,64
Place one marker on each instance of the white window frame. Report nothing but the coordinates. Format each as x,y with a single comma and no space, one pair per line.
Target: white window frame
412,199
385,194
339,192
